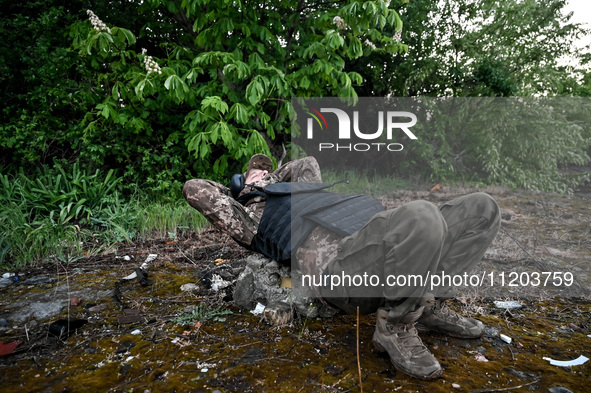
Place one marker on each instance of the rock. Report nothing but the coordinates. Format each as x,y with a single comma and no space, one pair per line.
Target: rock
260,281
559,389
48,305
39,280
4,282
189,287
278,314
490,331
244,290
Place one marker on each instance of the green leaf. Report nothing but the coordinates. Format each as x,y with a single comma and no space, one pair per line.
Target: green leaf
214,102
239,113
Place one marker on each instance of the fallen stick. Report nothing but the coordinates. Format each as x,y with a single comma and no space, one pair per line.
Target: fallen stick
358,359
509,388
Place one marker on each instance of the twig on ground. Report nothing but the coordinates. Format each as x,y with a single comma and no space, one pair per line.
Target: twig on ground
358,359
508,388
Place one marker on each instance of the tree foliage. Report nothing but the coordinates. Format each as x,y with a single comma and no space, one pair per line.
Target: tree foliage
165,90
468,48
221,72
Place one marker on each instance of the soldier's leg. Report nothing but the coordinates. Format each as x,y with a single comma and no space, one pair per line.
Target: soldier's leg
405,242
215,203
472,222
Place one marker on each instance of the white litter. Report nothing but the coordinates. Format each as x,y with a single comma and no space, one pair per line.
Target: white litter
150,258
131,276
136,332
217,282
204,370
506,339
129,358
567,363
509,305
8,275
189,287
258,310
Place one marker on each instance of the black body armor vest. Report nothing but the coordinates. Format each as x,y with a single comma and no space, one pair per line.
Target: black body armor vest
293,210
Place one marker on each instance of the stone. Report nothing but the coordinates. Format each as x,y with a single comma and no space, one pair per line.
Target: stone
189,287
559,389
4,282
260,282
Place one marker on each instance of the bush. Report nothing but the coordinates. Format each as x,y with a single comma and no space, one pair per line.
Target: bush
59,213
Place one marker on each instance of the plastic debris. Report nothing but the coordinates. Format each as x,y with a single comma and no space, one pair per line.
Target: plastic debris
8,348
506,339
150,258
455,385
143,267
129,358
550,250
8,275
217,282
567,363
204,370
480,357
509,305
64,327
136,332
258,310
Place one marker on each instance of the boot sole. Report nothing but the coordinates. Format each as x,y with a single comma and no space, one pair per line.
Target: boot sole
434,375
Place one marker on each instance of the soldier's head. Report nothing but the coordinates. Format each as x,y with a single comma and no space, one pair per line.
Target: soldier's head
258,167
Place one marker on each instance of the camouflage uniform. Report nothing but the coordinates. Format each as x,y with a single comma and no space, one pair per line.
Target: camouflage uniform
414,238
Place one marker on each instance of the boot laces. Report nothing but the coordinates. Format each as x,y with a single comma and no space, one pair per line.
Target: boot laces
409,337
443,311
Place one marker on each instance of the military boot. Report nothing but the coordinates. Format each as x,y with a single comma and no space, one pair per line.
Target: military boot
439,317
407,352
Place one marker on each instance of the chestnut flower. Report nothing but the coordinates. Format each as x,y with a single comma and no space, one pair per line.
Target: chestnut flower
98,24
150,63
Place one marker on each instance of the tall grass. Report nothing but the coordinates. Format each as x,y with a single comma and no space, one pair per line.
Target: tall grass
67,213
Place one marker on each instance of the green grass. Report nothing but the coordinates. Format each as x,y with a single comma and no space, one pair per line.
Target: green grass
59,214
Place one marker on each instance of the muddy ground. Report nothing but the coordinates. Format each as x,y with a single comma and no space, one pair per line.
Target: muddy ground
80,327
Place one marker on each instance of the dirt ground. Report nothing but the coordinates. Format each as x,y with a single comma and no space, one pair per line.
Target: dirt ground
106,334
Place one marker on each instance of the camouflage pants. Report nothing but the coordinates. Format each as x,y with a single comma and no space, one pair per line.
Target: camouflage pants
416,238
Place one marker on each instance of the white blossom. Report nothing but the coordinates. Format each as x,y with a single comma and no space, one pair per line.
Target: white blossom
339,22
370,44
398,35
98,24
150,63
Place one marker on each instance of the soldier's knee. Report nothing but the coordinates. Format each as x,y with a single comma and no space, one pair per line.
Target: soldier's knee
426,219
485,206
